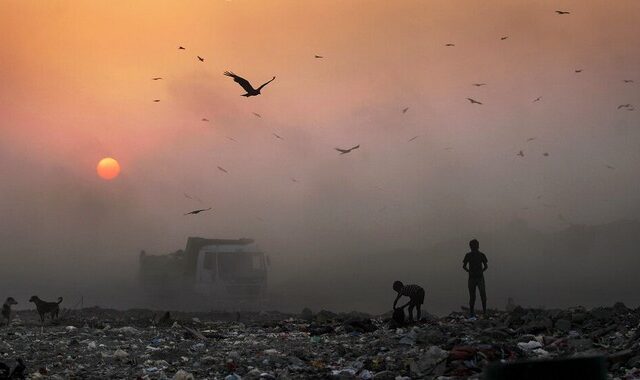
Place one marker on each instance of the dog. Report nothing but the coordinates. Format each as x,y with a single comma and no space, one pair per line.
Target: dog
6,309
44,307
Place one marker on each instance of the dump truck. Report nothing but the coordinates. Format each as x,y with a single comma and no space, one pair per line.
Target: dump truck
213,270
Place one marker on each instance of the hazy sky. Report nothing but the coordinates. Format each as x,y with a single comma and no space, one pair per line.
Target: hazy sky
75,86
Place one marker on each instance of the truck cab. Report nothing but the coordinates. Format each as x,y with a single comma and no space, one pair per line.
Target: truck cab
206,272
231,271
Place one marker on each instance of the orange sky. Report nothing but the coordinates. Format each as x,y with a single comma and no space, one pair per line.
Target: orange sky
76,87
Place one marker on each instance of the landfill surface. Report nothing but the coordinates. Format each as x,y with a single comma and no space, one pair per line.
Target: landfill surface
95,343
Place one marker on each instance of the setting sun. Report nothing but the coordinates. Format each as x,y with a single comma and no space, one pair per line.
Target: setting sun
108,168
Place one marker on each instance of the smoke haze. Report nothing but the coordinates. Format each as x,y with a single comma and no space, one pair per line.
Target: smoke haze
558,230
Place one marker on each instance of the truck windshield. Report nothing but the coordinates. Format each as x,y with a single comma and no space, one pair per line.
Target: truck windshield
240,265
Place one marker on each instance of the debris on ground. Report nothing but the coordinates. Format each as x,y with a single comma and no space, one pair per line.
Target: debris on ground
100,343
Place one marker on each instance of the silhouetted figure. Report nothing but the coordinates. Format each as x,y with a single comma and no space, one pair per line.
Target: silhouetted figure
246,85
416,298
475,263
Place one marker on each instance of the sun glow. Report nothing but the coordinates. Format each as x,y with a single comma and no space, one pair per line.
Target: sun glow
108,168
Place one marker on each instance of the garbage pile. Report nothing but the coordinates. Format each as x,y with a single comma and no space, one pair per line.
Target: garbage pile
95,343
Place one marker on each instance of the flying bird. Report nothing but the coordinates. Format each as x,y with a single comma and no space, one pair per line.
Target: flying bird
345,151
180,48
256,114
539,98
578,70
520,153
200,58
404,110
530,139
627,80
473,101
503,38
156,78
624,106
479,84
413,138
545,154
156,100
277,136
610,167
205,119
563,12
196,212
449,45
232,139
318,56
223,169
294,180
246,85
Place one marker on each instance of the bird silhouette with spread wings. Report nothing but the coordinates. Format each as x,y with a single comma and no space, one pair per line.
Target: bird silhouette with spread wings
345,151
196,212
246,85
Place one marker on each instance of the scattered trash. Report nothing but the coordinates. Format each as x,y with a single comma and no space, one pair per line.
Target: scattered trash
183,375
272,345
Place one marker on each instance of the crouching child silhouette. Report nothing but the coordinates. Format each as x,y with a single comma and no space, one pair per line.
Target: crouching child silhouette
416,298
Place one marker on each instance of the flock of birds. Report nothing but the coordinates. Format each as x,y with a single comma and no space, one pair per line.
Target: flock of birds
250,91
